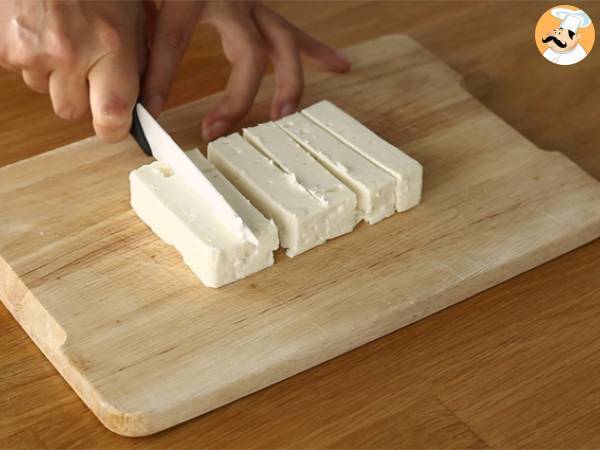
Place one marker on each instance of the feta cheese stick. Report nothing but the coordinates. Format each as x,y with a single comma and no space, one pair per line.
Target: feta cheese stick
165,149
278,195
339,201
374,188
179,216
407,172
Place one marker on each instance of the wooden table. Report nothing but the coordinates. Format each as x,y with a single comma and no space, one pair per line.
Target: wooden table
515,366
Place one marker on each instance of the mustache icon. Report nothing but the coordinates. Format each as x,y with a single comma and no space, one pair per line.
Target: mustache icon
555,40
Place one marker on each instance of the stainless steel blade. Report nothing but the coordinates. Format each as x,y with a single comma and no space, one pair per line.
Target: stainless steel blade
165,149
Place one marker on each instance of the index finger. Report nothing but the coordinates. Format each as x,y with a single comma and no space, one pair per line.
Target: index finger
174,27
114,86
244,48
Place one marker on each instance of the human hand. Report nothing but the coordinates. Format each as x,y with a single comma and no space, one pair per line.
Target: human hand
85,54
251,34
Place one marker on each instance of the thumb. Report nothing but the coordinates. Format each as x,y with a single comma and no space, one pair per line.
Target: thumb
174,27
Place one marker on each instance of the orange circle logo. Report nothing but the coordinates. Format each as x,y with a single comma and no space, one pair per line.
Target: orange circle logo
565,35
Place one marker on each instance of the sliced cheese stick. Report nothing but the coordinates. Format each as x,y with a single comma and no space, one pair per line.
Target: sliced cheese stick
407,172
180,217
373,187
300,218
339,201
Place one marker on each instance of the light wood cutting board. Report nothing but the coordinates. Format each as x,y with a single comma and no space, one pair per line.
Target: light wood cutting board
146,346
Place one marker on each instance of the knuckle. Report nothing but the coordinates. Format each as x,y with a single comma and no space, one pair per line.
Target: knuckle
110,134
36,85
66,111
21,60
61,48
20,47
292,85
79,110
69,108
234,108
21,55
56,39
109,37
176,39
65,55
292,94
258,54
113,114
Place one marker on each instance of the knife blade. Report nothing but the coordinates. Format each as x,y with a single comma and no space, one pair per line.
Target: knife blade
155,141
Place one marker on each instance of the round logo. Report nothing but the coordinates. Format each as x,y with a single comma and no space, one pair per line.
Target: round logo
565,35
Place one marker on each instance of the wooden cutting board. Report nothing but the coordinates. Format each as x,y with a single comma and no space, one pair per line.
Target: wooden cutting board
146,346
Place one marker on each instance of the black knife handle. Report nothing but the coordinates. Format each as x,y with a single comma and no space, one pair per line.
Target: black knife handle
138,133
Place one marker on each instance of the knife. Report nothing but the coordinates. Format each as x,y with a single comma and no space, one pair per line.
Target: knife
156,142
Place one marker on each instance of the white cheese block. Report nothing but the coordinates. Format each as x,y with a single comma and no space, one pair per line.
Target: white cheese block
373,186
300,217
407,172
318,181
181,217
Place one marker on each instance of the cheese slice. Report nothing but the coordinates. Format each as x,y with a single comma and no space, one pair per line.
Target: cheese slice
186,220
300,217
373,187
339,201
407,172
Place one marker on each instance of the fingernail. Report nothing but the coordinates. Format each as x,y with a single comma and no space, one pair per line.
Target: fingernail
214,130
287,109
155,104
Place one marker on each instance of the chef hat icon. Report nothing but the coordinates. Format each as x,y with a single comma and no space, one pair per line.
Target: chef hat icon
571,19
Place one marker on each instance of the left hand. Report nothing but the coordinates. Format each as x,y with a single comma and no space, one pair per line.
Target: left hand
251,34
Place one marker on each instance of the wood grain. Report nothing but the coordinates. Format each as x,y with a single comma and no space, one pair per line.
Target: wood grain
503,71
146,346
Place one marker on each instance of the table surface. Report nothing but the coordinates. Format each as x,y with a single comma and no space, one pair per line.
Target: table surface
515,366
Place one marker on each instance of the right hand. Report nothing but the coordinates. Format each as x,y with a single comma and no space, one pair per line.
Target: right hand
85,54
